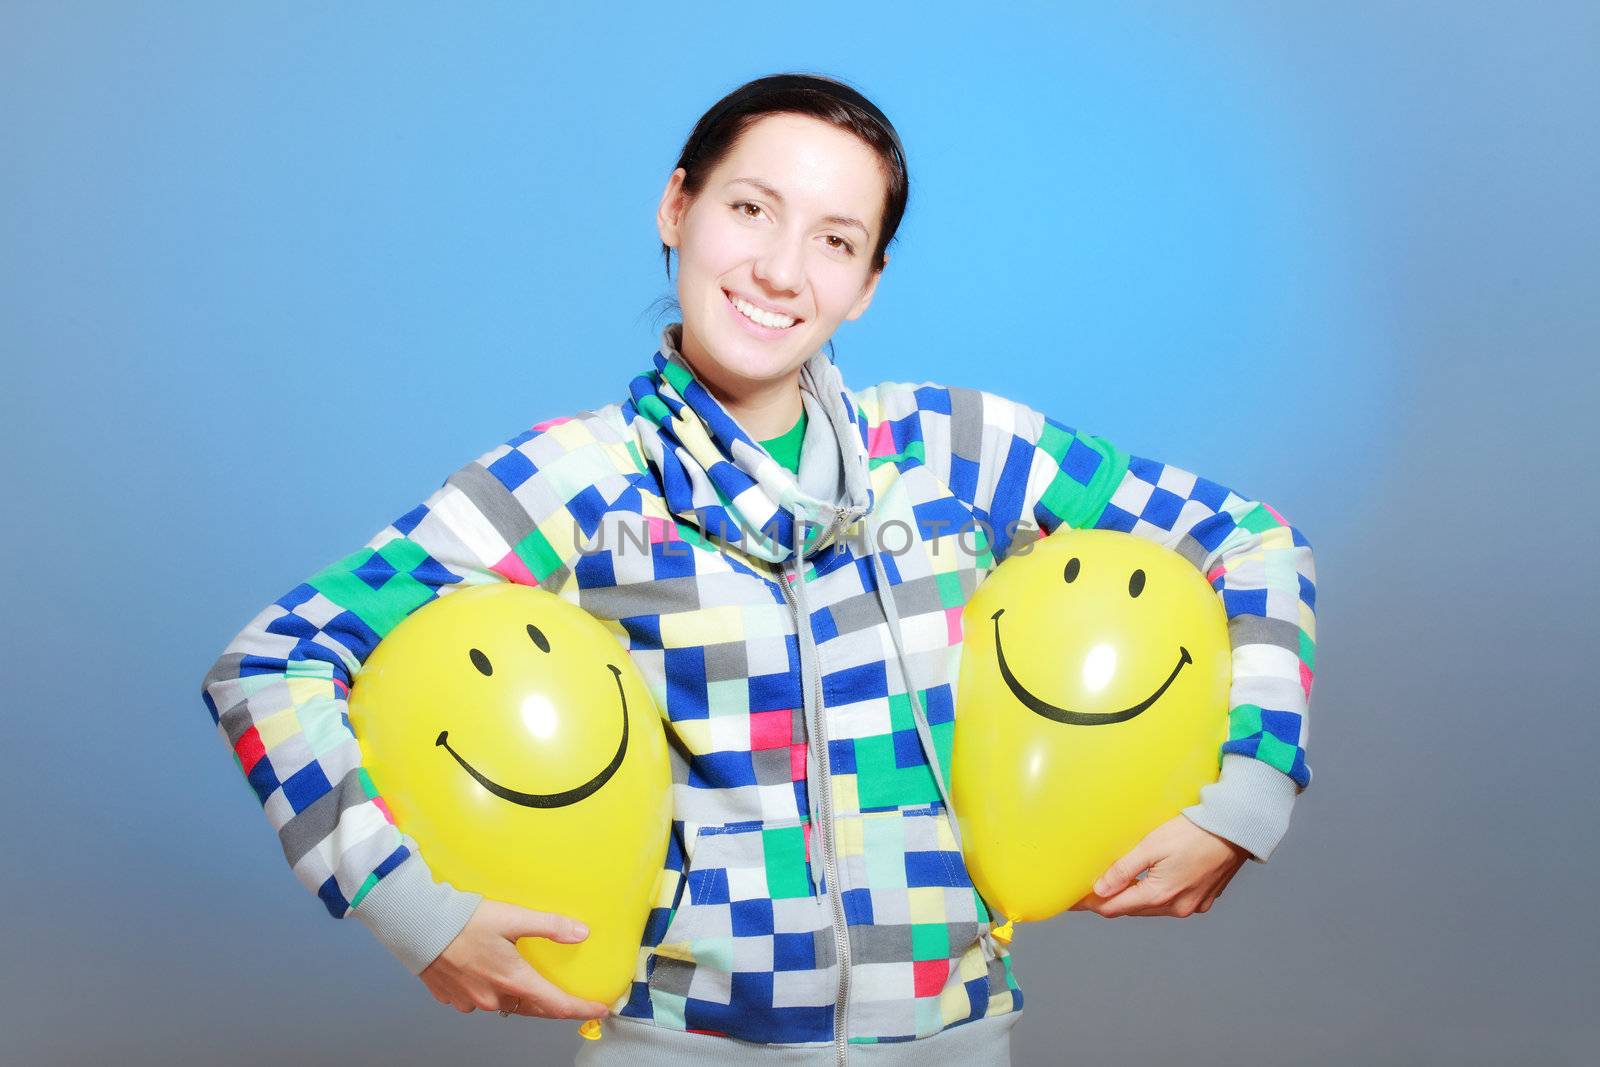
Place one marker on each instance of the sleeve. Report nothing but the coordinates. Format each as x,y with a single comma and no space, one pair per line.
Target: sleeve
278,692
1025,474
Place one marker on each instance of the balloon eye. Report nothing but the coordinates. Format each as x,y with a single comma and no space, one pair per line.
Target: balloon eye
1136,583
538,638
1071,573
480,661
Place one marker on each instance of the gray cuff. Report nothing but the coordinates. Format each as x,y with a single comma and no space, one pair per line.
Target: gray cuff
1248,805
414,916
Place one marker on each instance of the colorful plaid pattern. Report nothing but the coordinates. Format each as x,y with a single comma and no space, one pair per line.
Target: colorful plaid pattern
648,514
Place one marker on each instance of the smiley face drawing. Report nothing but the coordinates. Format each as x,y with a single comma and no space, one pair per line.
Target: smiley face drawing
543,800
1091,707
1136,645
508,733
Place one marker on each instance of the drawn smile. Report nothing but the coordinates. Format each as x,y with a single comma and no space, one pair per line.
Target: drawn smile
552,800
1077,718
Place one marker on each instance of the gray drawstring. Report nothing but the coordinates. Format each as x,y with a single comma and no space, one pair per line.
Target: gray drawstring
808,669
808,666
925,735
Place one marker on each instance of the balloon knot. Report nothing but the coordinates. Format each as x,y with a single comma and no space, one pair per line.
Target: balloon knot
1002,933
590,1030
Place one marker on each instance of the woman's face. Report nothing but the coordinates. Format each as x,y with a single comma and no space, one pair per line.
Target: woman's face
787,223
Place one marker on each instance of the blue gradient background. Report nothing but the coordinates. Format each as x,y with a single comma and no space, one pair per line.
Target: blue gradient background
269,274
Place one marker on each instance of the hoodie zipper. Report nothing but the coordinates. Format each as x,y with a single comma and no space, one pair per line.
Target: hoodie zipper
841,934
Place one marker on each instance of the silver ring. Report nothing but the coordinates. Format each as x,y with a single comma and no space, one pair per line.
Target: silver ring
507,1012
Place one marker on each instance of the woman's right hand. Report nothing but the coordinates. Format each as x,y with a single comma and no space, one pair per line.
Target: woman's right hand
482,968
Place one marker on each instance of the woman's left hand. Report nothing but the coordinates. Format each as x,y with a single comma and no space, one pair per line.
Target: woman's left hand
1188,869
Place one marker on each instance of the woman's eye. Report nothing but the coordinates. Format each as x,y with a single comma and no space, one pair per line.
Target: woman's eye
740,208
843,245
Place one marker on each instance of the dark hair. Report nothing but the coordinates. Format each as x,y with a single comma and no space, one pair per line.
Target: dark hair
817,96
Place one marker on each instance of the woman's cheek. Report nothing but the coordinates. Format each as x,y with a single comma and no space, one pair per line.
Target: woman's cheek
835,290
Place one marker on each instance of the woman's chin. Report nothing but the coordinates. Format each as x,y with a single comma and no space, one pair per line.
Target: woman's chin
754,360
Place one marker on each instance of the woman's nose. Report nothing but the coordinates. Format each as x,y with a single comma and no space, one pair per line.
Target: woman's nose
781,265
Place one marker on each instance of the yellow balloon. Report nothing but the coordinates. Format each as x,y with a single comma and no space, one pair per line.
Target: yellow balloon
514,739
1092,704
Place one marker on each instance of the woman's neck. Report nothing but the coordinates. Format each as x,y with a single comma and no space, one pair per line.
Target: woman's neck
769,413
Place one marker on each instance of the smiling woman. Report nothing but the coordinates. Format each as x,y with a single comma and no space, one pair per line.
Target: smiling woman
814,905
746,345
781,226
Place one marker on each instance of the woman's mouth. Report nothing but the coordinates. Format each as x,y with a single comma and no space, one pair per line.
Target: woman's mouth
765,324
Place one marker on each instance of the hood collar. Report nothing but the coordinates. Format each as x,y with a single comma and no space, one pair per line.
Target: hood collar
717,478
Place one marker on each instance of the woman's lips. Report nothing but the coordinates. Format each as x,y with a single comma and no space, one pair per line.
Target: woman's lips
766,333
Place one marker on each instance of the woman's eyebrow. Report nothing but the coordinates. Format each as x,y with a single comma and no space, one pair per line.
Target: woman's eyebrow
837,220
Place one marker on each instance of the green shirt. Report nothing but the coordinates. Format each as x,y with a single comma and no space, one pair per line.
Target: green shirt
786,448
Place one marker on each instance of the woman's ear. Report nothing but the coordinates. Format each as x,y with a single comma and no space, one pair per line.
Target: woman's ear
674,202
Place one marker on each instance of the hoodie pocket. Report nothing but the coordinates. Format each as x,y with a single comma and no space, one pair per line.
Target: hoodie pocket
921,956
747,936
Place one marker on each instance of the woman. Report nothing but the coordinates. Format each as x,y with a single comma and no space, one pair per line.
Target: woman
797,613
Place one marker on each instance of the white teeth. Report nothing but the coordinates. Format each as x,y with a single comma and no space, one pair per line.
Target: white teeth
765,318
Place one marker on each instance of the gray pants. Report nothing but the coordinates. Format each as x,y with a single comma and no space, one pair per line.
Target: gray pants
631,1043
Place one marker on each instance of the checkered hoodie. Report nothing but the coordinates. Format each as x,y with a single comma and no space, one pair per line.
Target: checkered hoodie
814,891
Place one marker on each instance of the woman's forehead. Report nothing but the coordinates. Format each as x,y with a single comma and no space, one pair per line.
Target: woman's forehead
807,164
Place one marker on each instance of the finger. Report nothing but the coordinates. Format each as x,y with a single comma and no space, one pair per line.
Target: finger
532,1007
1139,895
1094,902
542,997
515,922
1121,873
1172,909
1090,902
